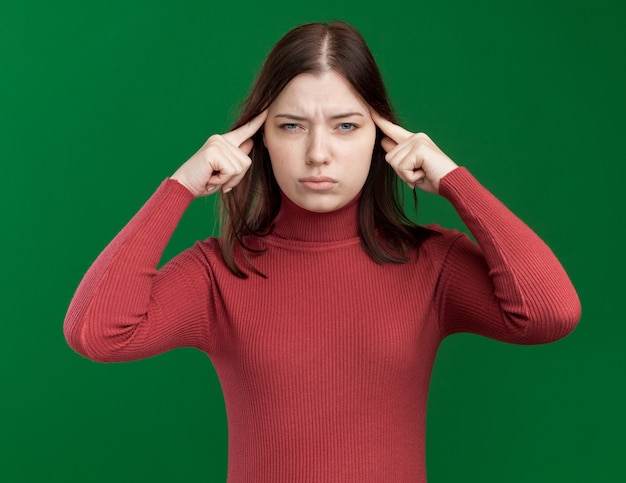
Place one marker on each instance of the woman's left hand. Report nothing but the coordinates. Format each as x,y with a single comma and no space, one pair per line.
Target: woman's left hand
415,158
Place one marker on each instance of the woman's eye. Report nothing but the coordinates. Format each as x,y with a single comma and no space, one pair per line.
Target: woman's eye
289,126
346,126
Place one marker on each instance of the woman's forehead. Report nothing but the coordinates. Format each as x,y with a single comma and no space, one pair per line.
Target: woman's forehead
328,94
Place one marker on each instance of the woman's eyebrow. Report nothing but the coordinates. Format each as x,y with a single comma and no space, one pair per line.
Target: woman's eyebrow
342,115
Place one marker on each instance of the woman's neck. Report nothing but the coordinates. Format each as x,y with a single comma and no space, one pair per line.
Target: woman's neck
298,224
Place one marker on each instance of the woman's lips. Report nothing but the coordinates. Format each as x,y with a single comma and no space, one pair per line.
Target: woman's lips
318,183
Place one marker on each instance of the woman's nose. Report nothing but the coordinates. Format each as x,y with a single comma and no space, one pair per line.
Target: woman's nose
318,149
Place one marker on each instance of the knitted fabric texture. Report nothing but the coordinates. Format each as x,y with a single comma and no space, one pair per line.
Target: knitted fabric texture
325,364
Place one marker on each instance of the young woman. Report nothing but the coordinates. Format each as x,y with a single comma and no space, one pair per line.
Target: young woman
320,305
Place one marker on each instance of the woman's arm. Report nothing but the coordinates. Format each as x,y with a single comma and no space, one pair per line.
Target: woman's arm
510,287
124,308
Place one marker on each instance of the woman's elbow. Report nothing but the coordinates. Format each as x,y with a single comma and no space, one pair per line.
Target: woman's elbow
555,320
570,315
85,339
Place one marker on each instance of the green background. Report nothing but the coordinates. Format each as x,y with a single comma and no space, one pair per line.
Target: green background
101,100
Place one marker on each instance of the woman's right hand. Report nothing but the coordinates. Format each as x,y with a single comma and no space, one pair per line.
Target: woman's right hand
222,162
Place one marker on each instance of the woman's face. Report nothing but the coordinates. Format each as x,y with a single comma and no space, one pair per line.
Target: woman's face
320,137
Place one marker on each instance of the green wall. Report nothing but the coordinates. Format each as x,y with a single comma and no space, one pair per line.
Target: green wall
99,101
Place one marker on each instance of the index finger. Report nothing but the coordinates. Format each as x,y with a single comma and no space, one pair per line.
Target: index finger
243,133
391,130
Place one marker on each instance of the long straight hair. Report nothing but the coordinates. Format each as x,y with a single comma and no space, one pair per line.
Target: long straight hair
250,208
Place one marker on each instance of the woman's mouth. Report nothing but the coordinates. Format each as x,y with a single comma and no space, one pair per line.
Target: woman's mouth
318,183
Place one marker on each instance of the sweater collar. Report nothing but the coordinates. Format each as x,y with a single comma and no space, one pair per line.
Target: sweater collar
298,224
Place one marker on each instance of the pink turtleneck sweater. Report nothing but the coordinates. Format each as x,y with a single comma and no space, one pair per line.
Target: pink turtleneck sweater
325,364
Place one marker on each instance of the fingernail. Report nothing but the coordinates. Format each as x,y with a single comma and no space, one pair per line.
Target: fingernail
227,190
210,187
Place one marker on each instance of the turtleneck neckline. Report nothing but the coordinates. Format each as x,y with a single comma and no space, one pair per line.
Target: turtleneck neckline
298,224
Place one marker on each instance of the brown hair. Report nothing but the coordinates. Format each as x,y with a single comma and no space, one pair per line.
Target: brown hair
249,209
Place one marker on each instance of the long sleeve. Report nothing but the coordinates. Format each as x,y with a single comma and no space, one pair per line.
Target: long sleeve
510,286
126,309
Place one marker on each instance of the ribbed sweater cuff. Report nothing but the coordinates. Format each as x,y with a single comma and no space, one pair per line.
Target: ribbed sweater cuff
456,182
179,192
